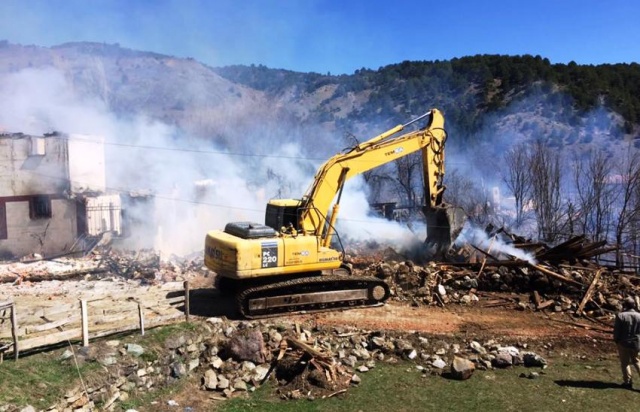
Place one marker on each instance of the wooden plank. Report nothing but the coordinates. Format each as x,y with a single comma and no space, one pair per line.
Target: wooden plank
186,300
31,329
50,339
555,275
14,332
141,315
589,292
85,322
537,299
546,304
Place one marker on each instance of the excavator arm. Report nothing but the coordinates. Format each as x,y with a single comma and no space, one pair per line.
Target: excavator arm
384,148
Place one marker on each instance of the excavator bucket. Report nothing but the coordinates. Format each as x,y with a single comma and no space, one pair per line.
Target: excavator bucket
444,224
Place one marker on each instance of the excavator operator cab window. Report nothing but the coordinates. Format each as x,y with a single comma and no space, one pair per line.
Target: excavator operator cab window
281,216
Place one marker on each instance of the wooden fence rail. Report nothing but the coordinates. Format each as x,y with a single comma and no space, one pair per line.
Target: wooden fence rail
40,323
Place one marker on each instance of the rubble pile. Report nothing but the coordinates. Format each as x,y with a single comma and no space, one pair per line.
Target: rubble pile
231,358
560,278
144,265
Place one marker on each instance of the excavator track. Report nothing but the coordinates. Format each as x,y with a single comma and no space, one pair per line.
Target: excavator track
311,294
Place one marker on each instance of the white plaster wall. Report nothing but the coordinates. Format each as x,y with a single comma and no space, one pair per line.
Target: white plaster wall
87,163
22,174
25,235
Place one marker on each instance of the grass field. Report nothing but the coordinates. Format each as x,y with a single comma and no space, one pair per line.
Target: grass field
571,386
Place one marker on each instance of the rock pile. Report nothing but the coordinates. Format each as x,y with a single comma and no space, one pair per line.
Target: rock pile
235,357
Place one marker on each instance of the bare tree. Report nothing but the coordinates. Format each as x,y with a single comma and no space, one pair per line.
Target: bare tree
595,196
409,178
546,175
517,178
465,193
628,206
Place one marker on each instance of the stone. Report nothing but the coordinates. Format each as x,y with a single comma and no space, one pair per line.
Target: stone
355,379
439,364
193,363
174,342
223,382
530,359
260,372
384,271
511,350
378,342
217,362
178,369
134,349
350,361
412,354
67,354
275,336
361,353
215,321
247,345
112,343
107,360
210,380
502,360
28,408
477,348
461,368
239,385
363,369
247,366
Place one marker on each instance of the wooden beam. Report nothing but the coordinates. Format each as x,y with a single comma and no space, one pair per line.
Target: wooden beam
555,275
14,331
186,300
141,315
589,292
85,322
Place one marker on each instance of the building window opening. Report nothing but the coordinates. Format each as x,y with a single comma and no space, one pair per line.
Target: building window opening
40,207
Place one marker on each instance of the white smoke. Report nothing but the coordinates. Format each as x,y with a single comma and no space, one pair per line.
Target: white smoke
493,245
357,223
196,186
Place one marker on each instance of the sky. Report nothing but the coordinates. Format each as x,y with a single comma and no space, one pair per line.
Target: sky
335,36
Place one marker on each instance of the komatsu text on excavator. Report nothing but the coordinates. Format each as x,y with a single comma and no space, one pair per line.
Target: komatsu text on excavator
290,264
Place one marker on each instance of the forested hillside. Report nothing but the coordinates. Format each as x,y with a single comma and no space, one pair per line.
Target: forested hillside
466,88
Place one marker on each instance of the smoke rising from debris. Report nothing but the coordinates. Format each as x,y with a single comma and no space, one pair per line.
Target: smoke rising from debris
196,186
493,245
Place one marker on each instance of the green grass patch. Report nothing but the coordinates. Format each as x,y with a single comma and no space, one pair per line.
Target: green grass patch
42,379
570,386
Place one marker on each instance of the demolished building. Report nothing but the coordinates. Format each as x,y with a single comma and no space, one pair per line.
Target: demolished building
53,194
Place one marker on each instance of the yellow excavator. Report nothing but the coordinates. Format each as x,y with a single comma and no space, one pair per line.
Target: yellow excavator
290,264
